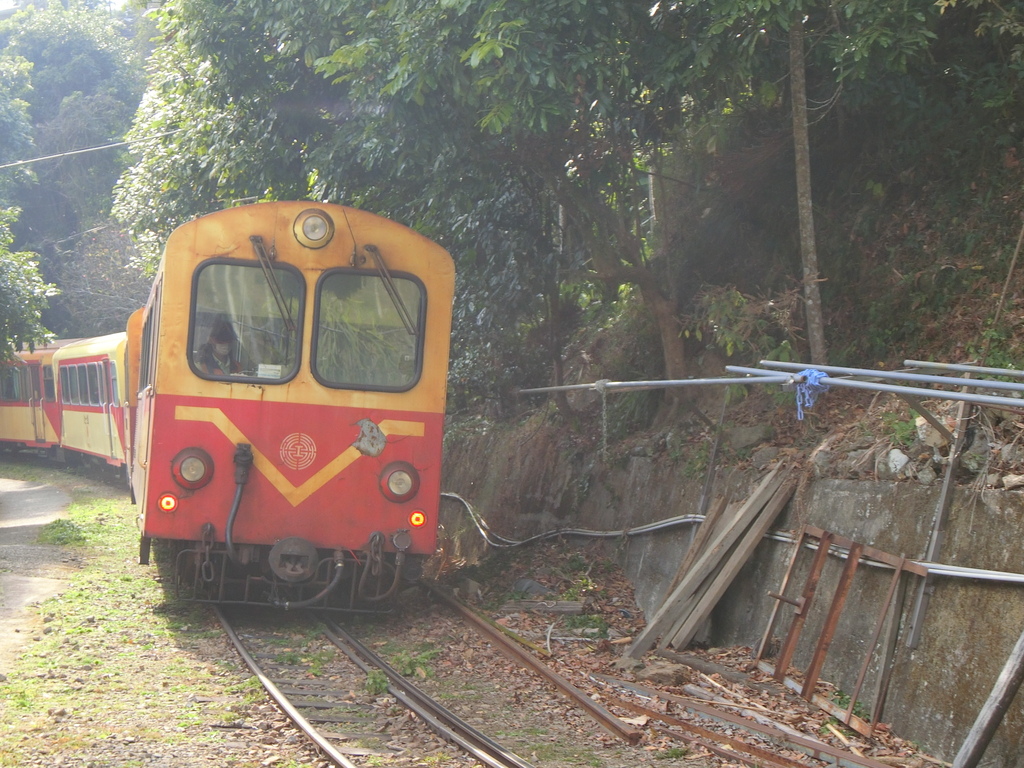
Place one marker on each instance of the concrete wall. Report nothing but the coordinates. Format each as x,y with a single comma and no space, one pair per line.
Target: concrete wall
522,486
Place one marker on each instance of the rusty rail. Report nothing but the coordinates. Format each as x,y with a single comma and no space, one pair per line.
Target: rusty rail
602,716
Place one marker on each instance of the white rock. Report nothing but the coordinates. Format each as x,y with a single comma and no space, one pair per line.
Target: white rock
1013,481
897,460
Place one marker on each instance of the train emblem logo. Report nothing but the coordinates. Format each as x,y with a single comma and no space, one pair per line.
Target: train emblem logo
298,450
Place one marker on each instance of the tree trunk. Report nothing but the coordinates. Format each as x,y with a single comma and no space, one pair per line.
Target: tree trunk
801,145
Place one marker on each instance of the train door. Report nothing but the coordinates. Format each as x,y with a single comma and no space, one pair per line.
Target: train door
113,409
33,372
143,437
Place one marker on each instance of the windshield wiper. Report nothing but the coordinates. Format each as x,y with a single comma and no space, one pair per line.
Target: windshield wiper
389,286
275,287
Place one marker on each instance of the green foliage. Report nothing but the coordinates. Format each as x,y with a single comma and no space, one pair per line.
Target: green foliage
376,682
697,460
672,753
740,324
597,624
843,700
901,431
414,663
23,293
63,532
15,126
520,134
70,79
579,588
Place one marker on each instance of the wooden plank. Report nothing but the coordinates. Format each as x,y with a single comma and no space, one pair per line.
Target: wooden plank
736,560
665,615
700,540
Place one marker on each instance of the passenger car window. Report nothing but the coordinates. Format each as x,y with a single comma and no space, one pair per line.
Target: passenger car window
245,323
361,341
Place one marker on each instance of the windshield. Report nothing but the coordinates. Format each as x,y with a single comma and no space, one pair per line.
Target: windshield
362,341
237,323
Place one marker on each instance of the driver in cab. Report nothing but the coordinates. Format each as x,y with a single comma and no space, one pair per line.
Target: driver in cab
216,356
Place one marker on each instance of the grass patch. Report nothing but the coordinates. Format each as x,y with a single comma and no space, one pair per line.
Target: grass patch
113,656
63,532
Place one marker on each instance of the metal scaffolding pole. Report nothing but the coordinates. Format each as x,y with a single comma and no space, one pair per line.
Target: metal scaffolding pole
901,376
765,377
963,368
968,397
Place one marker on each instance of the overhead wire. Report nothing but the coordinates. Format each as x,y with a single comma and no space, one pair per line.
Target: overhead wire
71,152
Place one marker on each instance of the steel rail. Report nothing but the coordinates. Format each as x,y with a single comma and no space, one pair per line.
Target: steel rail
443,721
604,718
279,697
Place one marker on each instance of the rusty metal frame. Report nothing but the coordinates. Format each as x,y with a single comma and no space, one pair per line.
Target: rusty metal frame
855,552
810,746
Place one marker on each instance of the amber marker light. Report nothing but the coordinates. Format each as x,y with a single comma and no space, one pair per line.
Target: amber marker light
168,502
417,519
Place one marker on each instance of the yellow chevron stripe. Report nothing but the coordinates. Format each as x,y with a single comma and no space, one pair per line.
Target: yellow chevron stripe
294,494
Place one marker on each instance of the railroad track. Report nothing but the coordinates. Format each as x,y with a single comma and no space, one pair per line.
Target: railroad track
318,707
327,711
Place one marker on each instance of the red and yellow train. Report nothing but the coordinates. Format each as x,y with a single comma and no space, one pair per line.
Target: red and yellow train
278,404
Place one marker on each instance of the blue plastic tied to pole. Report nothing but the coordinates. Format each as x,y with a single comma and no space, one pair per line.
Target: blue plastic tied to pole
808,390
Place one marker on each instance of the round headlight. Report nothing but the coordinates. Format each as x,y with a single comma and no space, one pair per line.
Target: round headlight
192,468
399,482
313,228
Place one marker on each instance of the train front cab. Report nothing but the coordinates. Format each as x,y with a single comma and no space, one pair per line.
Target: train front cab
305,469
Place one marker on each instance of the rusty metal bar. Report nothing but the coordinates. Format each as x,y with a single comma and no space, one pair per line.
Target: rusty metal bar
888,657
928,416
733,749
831,621
811,585
938,533
871,553
897,575
602,716
766,639
812,747
826,705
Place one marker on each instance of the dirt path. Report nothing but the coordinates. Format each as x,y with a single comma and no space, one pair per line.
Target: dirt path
29,571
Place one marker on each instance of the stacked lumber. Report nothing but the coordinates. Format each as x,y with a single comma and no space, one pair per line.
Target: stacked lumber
724,542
